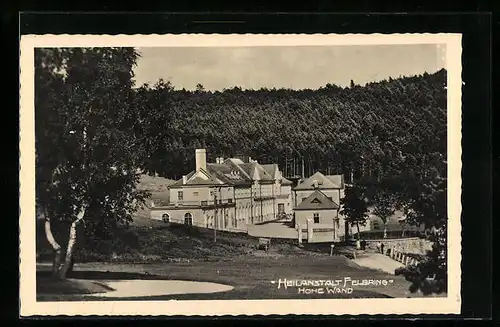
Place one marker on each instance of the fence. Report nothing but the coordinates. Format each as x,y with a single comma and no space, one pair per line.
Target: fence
402,257
375,235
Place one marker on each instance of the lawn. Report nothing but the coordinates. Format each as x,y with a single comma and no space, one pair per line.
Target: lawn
250,275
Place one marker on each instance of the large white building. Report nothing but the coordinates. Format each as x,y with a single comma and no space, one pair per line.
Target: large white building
227,195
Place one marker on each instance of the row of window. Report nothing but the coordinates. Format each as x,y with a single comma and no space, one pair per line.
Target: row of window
188,219
180,196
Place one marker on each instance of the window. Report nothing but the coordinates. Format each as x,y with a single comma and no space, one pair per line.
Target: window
165,217
195,193
204,203
180,195
330,198
281,207
316,218
229,200
188,219
376,225
303,199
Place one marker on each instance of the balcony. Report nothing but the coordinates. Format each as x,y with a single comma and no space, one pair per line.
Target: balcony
263,197
220,203
205,204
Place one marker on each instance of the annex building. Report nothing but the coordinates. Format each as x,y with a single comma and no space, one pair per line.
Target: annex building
317,198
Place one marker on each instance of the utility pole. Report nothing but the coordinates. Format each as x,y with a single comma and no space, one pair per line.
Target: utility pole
286,164
215,216
303,174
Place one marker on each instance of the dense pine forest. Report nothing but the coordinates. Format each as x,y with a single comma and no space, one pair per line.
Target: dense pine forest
357,130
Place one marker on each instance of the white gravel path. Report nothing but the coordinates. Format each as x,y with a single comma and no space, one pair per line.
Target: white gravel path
139,288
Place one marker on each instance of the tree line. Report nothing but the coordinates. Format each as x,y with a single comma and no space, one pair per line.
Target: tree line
354,130
94,131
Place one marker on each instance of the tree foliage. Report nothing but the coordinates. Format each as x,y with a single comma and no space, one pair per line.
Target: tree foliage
354,207
87,153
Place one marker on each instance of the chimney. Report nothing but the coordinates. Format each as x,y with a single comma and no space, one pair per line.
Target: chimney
201,159
249,159
184,179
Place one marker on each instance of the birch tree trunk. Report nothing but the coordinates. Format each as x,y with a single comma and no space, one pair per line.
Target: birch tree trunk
357,226
68,262
385,229
57,248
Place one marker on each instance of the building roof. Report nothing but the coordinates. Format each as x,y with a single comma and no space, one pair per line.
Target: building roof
323,182
236,161
247,168
263,173
270,169
212,180
233,171
337,180
228,174
317,201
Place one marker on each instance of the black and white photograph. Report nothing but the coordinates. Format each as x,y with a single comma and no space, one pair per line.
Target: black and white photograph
209,168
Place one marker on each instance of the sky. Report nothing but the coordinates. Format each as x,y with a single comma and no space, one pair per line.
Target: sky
296,67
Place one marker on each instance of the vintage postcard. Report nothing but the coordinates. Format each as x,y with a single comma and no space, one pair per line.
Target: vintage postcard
214,175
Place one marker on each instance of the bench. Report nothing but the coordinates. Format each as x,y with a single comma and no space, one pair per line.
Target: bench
264,243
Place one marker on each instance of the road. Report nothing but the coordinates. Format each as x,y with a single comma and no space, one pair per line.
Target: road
281,230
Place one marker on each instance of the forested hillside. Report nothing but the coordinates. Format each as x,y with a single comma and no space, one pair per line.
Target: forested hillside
332,129
388,138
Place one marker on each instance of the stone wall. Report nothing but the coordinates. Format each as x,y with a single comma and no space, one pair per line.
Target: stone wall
406,245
